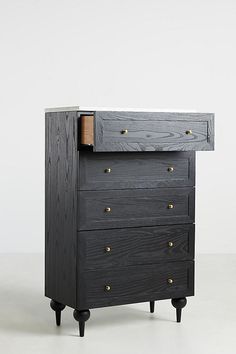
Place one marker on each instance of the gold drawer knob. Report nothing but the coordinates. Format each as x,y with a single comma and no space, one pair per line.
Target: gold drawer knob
170,281
108,249
107,288
170,244
170,169
189,132
107,210
170,206
124,131
107,170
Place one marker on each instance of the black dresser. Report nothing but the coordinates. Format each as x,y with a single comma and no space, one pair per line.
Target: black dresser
120,200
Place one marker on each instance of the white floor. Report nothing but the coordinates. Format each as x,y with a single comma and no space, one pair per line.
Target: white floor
27,324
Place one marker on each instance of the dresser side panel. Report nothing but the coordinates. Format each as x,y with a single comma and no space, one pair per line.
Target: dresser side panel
61,207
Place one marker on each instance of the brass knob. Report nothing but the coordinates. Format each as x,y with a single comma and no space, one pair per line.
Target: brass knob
170,281
170,169
108,249
107,287
108,210
124,131
107,170
170,206
189,132
170,244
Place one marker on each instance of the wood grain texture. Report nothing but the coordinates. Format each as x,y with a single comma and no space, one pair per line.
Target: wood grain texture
61,207
87,129
139,207
138,190
136,170
136,284
135,246
153,131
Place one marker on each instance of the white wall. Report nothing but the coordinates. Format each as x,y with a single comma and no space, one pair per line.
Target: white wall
132,53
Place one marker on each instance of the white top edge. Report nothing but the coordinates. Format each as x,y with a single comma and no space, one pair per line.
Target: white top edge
115,109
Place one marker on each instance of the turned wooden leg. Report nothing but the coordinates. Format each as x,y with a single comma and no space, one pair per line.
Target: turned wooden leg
57,307
179,304
152,306
81,316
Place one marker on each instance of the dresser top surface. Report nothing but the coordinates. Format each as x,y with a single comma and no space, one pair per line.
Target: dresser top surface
115,109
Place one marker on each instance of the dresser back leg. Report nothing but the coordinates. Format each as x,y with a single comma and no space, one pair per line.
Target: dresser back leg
152,306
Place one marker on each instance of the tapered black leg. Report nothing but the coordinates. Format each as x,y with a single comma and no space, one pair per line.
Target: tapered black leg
81,316
152,306
179,304
58,318
57,307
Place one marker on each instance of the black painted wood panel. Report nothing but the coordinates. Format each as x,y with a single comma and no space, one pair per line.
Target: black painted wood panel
138,190
133,246
61,207
140,207
153,131
136,284
101,171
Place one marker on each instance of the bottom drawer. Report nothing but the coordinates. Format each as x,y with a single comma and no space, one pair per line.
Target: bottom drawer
135,284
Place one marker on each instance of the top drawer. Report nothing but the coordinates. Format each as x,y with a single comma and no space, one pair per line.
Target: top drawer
146,131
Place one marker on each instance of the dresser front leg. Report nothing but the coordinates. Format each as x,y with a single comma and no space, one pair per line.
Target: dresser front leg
57,307
179,304
152,306
81,316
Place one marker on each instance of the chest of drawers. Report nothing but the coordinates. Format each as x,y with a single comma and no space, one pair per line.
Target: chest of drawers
120,200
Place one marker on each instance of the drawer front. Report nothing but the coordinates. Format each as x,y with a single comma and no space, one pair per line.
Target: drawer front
140,207
143,131
135,284
145,245
103,171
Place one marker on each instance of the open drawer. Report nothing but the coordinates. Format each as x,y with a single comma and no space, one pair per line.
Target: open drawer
151,131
